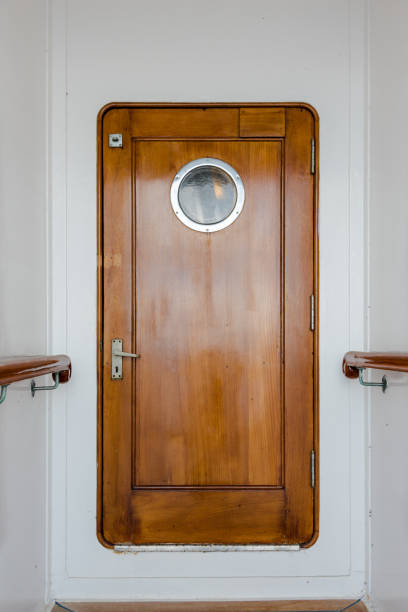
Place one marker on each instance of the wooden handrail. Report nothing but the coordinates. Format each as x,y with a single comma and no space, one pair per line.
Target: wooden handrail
13,369
355,361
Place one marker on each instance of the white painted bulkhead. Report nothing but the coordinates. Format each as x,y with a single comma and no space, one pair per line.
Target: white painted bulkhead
230,50
23,301
215,51
388,298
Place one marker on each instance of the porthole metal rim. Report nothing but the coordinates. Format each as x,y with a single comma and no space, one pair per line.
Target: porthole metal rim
216,163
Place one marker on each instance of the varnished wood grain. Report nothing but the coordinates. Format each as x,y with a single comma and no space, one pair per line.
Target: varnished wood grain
176,471
299,286
209,326
23,367
116,441
184,123
307,605
353,360
261,122
201,516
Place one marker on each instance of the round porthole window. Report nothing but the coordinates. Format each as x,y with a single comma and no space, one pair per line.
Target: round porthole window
207,194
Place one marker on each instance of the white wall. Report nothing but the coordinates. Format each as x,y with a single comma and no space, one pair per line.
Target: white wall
22,300
388,297
270,51
226,50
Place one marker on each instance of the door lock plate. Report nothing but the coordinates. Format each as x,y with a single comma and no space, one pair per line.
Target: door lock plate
117,347
115,141
117,354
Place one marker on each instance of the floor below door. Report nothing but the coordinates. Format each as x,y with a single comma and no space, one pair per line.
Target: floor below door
332,605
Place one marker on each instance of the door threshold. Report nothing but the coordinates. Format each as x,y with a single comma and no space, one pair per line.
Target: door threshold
204,547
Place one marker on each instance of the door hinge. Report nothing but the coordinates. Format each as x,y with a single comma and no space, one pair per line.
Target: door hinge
312,313
101,346
313,156
312,469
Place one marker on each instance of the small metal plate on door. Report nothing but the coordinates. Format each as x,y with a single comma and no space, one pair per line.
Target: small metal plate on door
115,141
117,345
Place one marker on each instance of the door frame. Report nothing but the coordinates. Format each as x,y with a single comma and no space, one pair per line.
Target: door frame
100,289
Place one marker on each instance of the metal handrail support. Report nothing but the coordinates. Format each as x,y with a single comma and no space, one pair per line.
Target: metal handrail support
382,384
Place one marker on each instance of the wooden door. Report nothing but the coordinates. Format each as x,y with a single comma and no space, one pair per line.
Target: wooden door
209,436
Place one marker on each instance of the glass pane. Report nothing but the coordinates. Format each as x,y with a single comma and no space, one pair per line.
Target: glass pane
207,195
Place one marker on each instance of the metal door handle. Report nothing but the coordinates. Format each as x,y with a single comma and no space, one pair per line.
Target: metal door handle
117,354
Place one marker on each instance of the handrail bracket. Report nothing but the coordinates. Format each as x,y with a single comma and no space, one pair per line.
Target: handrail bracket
382,384
3,393
35,388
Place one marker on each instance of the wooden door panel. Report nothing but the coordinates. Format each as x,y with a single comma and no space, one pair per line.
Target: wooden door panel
300,346
208,326
262,122
184,122
159,520
208,437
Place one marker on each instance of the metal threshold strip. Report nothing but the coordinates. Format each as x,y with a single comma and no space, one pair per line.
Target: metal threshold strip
205,548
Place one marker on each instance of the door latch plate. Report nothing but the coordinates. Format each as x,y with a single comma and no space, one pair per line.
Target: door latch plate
115,141
117,346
